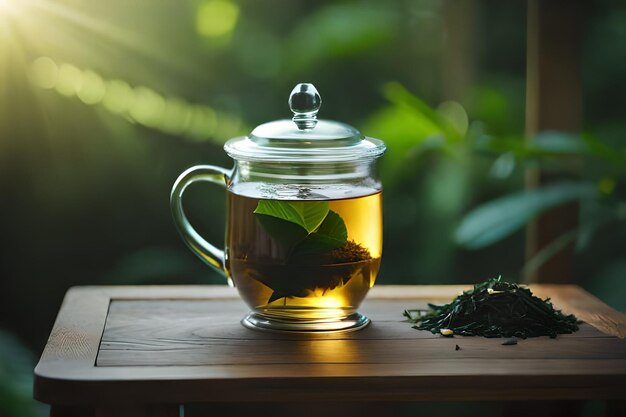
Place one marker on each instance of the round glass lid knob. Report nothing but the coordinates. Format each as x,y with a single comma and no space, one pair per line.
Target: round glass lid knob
305,102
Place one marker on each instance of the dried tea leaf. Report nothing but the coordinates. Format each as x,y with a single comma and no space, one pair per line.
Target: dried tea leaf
510,341
495,308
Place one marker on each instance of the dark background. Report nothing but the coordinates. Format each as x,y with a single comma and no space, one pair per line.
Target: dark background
103,104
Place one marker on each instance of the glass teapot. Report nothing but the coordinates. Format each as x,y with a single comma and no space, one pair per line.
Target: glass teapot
304,226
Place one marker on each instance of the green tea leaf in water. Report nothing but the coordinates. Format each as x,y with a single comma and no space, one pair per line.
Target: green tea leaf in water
331,234
319,257
282,231
291,223
332,231
307,214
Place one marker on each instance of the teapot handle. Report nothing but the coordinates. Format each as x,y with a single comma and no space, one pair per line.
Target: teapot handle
208,253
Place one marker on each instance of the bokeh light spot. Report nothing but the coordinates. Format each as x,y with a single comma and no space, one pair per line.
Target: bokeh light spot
454,114
607,185
203,123
69,81
228,125
216,18
147,107
119,96
175,115
92,89
44,72
503,166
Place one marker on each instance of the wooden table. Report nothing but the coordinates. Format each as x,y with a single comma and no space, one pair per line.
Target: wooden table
145,350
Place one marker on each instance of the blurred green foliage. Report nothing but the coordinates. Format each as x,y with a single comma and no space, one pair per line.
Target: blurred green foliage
103,104
16,379
600,170
497,219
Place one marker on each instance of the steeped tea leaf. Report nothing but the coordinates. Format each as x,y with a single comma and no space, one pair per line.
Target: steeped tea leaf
286,233
331,234
307,214
333,230
319,255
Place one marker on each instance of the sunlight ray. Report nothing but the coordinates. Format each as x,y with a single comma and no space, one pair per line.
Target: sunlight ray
139,104
46,26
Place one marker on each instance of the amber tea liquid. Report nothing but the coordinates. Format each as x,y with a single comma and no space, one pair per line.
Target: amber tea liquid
279,285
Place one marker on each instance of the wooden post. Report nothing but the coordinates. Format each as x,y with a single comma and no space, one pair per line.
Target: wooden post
553,102
458,57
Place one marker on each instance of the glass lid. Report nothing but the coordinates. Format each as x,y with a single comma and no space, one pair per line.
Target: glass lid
304,138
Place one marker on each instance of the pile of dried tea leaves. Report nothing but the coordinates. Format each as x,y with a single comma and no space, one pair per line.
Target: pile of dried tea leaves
495,309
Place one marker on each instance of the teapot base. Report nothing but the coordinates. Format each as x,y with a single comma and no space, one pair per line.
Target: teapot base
349,323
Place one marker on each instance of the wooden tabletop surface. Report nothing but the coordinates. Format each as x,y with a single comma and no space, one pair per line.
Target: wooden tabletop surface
181,344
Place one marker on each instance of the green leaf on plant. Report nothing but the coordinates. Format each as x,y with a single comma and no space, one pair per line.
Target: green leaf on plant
554,142
501,217
307,214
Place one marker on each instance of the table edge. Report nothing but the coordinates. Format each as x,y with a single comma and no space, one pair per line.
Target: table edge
75,339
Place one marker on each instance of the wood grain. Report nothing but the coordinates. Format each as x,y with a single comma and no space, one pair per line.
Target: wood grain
574,300
178,332
172,345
